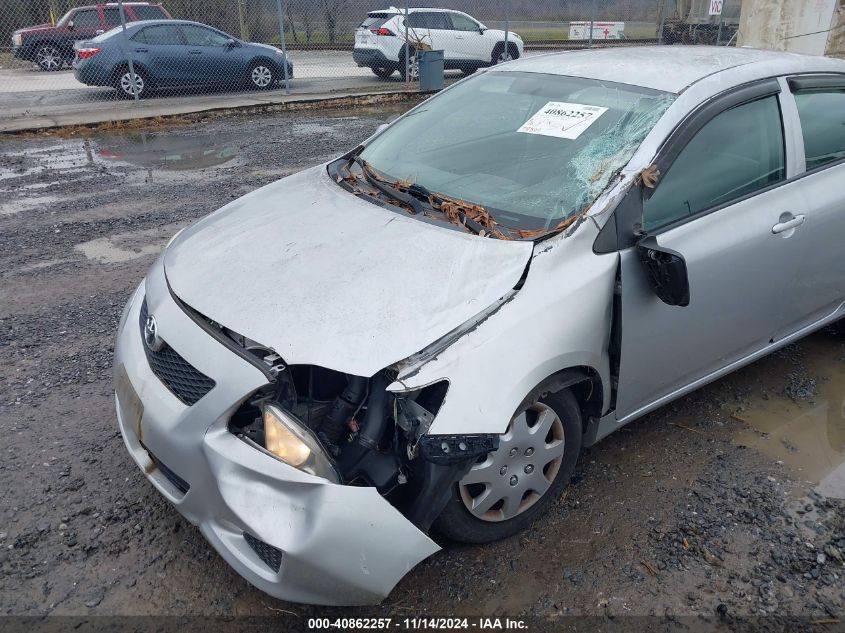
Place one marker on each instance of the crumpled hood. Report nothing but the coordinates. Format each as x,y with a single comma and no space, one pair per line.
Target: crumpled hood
325,278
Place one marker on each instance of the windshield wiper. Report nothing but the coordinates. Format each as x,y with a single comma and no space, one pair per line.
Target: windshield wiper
386,189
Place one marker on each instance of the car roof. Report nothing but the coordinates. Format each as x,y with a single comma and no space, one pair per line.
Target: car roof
665,68
398,11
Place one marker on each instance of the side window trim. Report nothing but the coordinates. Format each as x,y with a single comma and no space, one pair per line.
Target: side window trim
811,82
703,114
627,215
687,129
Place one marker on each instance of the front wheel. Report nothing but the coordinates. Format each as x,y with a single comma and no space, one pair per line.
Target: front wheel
502,55
506,490
262,76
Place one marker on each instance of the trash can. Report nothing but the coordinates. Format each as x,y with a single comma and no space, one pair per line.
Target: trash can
430,65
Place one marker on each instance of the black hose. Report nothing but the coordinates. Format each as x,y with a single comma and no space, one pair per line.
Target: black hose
375,420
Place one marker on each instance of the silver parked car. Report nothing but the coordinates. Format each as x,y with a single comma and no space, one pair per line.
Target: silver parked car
424,333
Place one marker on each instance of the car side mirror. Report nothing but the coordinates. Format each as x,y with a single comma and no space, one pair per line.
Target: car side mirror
231,43
70,25
382,127
666,271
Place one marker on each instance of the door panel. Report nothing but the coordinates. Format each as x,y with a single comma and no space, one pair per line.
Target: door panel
821,284
469,40
161,50
210,60
433,28
741,278
742,236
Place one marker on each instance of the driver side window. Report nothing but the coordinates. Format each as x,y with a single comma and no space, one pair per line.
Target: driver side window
463,23
738,152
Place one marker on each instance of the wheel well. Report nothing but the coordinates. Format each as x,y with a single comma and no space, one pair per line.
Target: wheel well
585,384
265,60
122,65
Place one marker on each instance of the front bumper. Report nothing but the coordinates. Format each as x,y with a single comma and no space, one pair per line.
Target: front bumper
338,544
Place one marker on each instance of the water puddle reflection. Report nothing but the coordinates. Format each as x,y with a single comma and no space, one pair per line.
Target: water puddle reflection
807,432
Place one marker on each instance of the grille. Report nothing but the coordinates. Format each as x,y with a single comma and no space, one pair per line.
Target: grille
271,556
182,379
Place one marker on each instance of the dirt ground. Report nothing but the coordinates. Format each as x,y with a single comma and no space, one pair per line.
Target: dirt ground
726,503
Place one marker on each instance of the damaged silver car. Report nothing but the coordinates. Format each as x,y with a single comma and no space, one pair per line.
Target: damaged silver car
421,335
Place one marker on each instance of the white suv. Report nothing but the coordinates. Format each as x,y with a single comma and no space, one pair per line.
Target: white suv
466,43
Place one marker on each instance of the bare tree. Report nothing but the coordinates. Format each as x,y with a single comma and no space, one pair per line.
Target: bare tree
332,10
291,24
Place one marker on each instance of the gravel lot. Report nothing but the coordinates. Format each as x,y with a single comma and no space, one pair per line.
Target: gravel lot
726,503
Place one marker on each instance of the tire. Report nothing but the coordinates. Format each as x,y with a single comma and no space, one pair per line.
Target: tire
262,75
468,69
48,57
499,57
382,73
123,83
412,57
494,519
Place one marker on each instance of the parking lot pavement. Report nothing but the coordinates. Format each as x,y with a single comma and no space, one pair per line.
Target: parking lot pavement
728,501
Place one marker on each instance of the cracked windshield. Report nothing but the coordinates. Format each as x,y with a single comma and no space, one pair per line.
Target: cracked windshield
534,149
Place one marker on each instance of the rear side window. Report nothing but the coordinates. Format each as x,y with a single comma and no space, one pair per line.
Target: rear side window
375,20
146,12
160,35
736,153
429,20
112,16
87,19
822,114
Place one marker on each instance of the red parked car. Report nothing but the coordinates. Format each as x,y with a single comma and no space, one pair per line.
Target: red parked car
51,46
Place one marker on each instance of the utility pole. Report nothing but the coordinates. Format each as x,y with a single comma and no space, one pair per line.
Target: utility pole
126,50
284,47
242,20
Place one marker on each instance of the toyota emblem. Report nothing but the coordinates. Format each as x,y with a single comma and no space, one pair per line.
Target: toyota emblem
151,337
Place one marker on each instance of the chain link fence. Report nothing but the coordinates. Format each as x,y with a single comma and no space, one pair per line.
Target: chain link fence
69,51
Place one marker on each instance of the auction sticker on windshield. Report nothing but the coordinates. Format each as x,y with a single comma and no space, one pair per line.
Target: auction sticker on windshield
563,120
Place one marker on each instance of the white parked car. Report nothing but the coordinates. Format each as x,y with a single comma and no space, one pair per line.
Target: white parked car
467,44
423,333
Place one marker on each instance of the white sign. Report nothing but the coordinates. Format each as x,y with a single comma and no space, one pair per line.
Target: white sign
716,7
561,119
601,30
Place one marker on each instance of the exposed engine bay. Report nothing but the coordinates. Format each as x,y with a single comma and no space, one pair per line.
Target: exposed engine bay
370,437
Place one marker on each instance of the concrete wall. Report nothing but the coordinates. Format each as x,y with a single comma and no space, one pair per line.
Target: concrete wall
815,27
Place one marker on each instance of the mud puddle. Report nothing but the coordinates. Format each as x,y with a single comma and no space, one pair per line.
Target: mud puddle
804,425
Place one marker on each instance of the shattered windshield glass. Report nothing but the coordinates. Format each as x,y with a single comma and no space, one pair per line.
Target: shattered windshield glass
532,150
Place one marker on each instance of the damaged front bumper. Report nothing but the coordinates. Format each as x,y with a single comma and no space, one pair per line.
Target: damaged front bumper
293,535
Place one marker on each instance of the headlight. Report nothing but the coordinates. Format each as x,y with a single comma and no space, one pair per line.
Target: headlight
17,39
285,438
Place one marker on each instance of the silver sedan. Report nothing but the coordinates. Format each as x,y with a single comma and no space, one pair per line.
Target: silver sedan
425,332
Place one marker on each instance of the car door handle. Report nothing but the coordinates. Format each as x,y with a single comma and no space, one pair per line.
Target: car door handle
195,52
459,37
788,223
100,31
141,50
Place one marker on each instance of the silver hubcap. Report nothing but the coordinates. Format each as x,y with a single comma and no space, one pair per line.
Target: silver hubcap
505,57
514,477
49,58
261,76
126,83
